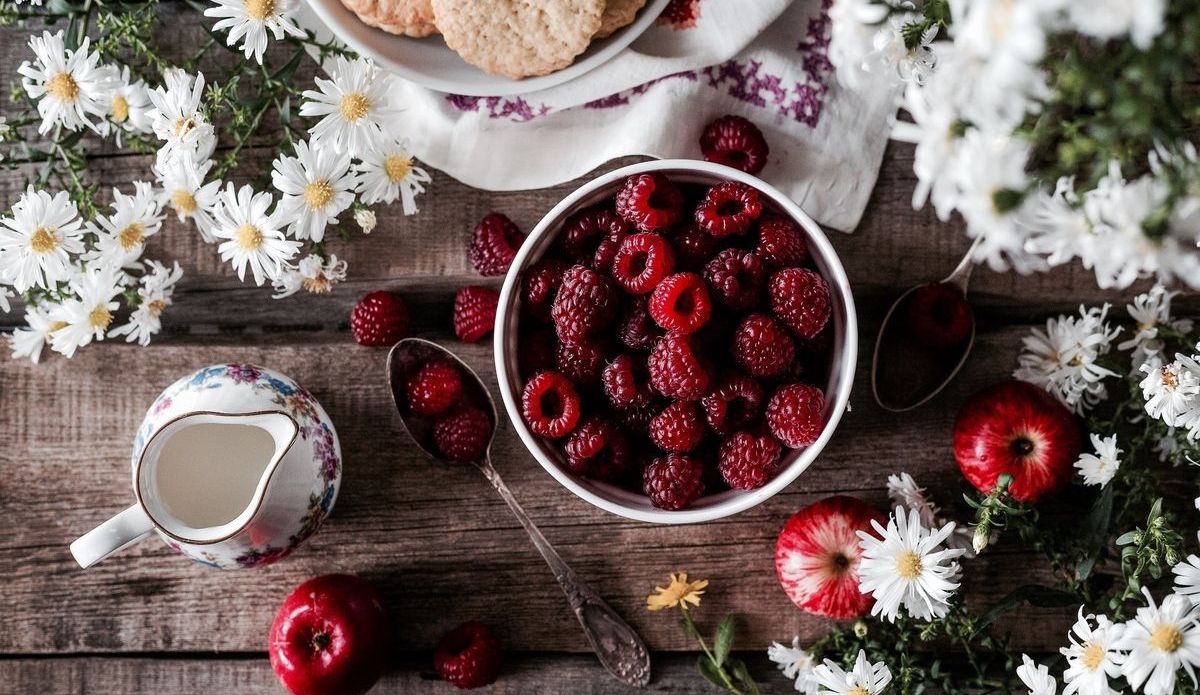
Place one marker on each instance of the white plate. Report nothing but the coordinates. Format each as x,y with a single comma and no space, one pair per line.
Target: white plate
431,63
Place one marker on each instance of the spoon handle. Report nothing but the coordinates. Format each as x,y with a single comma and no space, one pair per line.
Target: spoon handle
617,645
962,274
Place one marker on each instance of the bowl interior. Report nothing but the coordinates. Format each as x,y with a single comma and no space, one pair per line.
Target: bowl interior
835,382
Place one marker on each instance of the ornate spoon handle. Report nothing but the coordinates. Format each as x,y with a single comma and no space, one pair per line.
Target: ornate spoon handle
617,645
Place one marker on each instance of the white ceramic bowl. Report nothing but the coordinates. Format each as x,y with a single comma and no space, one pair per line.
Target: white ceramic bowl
839,379
431,63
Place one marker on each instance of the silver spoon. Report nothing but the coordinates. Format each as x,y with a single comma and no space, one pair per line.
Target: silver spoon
616,644
910,375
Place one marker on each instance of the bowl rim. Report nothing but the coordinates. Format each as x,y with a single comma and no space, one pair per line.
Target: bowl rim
841,384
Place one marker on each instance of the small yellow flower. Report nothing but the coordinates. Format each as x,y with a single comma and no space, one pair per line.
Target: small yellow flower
679,592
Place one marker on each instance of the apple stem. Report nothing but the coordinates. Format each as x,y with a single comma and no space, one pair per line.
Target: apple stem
320,641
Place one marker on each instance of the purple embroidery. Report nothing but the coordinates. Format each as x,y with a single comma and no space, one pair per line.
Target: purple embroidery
515,109
622,98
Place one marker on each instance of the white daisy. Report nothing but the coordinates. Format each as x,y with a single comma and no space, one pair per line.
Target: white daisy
366,220
29,341
5,295
904,491
904,566
796,664
316,185
1055,224
1092,658
1100,467
1063,359
253,235
313,274
1036,677
185,192
389,172
1187,576
1151,311
352,106
864,679
88,315
69,85
1107,19
128,105
1172,391
177,118
250,20
156,289
1118,211
851,37
1159,640
37,240
912,63
121,236
934,131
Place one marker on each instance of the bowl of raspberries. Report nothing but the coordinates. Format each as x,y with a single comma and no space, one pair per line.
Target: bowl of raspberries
675,341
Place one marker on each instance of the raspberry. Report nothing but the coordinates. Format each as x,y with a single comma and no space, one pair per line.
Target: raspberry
735,142
606,250
728,208
780,242
736,278
550,405
494,244
580,361
762,347
463,436
734,403
675,370
585,303
599,450
468,656
380,318
693,247
680,303
800,298
474,312
638,330
795,414
586,230
939,317
678,428
747,462
649,202
537,350
626,383
642,261
541,282
673,482
434,388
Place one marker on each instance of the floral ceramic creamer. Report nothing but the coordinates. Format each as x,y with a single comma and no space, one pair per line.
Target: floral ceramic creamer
233,466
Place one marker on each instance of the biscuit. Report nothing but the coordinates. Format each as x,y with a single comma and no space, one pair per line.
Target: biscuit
618,13
518,38
407,17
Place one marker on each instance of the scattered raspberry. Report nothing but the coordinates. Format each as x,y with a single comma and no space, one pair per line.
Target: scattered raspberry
795,414
474,312
735,142
649,202
626,383
675,370
678,428
637,330
539,286
494,244
463,436
599,450
580,361
379,319
537,348
468,656
693,247
642,261
550,405
747,462
584,232
673,482
736,278
780,242
939,316
680,303
434,388
735,402
800,298
762,347
728,208
586,302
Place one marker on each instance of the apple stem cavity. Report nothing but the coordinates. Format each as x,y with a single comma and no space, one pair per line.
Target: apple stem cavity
320,641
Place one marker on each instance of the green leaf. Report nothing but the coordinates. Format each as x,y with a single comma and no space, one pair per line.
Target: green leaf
1033,594
742,674
710,672
723,642
1095,531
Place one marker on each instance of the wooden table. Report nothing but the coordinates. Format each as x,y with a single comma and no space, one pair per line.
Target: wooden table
437,542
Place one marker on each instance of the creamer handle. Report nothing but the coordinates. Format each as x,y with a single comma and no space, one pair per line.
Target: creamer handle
118,533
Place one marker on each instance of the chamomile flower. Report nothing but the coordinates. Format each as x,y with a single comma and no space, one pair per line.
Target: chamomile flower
796,665
913,63
852,36
156,289
315,186
864,679
1187,575
177,118
1064,358
904,491
1056,226
389,173
1100,467
29,341
88,315
1108,19
1172,391
68,85
1160,640
185,192
128,105
904,566
249,21
37,240
352,106
1036,677
252,235
121,236
1151,311
1092,658
313,274
5,295
934,131
366,220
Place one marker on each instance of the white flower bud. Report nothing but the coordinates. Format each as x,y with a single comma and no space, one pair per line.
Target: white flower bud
365,219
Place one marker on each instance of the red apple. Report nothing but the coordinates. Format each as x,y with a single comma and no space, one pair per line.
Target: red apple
1017,428
816,557
330,637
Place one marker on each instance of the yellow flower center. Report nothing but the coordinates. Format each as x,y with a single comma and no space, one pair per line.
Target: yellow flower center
397,167
260,9
156,307
1166,638
248,237
1093,656
858,691
63,87
908,565
318,194
57,326
354,106
43,240
183,201
132,235
182,126
318,285
100,318
120,109
1169,378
